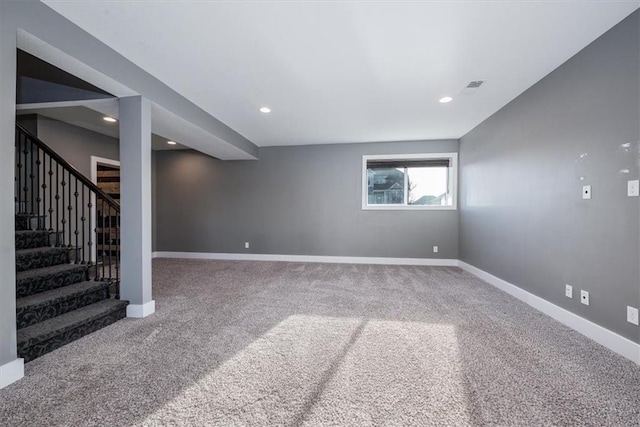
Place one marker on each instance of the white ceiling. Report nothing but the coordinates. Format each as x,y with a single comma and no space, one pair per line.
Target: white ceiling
337,72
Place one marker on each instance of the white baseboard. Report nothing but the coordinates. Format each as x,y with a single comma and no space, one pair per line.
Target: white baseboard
141,310
617,343
310,258
11,372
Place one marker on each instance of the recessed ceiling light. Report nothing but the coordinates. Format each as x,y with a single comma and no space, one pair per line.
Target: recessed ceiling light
445,99
171,142
109,119
265,110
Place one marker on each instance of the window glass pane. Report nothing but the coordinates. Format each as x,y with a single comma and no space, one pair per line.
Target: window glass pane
385,186
428,186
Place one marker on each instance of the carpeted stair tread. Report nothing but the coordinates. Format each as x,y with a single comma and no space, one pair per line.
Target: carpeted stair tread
48,329
41,250
46,305
44,279
67,292
26,239
27,259
46,271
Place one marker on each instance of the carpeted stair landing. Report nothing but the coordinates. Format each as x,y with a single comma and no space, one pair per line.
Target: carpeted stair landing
56,301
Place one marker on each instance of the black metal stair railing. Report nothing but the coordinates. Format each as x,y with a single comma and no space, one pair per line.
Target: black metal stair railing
51,195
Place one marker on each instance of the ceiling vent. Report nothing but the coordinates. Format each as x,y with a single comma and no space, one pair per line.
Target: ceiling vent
472,87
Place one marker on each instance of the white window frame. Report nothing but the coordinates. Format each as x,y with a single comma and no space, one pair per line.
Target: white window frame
453,181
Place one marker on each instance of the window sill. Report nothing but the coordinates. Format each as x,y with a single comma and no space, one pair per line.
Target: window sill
409,208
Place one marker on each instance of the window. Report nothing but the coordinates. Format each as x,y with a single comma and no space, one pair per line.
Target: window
409,181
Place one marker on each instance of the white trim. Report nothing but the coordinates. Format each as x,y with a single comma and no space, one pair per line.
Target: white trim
309,258
94,166
11,372
617,343
155,255
94,178
453,181
141,310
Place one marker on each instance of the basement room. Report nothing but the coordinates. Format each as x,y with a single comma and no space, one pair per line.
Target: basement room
319,213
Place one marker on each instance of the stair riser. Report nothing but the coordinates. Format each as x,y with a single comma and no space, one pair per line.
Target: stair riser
52,281
32,240
26,262
31,352
30,316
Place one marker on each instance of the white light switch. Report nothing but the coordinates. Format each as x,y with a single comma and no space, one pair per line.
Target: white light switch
586,192
568,291
632,315
435,249
633,188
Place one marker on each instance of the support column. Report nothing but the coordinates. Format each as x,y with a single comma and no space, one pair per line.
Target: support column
135,199
11,367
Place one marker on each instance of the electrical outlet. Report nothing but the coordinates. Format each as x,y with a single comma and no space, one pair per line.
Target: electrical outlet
584,297
633,188
435,249
568,291
632,315
246,245
586,192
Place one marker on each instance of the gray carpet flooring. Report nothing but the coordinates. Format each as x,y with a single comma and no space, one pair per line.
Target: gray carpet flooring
263,343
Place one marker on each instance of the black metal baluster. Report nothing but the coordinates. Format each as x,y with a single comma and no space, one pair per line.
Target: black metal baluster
44,191
69,209
25,188
59,221
18,194
31,176
76,232
36,189
102,244
83,219
118,254
64,219
109,237
91,232
51,194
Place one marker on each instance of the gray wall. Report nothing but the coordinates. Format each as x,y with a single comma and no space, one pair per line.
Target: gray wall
76,145
522,217
303,200
29,122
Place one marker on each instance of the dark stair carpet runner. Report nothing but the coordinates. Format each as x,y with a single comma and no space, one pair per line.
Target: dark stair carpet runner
56,303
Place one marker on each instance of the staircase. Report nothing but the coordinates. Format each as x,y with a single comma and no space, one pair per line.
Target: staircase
62,285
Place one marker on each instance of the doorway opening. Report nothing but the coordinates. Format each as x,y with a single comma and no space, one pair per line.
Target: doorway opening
105,173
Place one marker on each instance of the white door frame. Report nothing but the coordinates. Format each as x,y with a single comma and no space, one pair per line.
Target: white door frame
95,161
